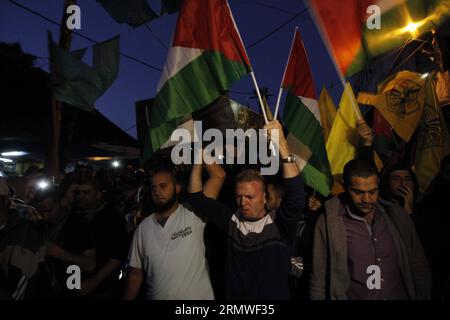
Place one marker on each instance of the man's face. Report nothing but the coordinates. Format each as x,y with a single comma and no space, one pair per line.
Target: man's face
49,209
399,180
363,194
251,198
70,193
30,190
87,197
164,191
273,198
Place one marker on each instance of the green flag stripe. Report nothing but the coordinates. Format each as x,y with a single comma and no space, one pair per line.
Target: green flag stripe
305,127
307,130
317,179
162,133
196,85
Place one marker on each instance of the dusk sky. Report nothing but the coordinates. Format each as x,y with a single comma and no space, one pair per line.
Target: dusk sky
255,19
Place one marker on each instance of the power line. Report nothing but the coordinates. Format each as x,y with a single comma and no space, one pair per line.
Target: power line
277,29
132,127
156,36
240,92
82,35
265,5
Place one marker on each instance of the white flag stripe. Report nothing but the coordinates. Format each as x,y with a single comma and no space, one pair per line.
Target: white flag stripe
178,58
313,106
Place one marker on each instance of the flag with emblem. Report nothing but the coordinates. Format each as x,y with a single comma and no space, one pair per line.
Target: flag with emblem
433,141
400,100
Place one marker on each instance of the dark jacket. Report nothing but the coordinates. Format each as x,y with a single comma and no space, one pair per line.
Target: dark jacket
22,253
257,262
330,276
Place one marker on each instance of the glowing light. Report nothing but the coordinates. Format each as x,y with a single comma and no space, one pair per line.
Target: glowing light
115,164
412,28
99,158
43,184
424,75
14,154
6,160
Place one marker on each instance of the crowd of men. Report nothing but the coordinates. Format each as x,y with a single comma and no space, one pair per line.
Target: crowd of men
211,232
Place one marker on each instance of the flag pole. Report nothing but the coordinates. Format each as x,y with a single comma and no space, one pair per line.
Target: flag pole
52,164
284,74
278,102
320,28
259,97
251,73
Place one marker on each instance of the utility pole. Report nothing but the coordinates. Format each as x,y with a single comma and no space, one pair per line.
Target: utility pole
52,161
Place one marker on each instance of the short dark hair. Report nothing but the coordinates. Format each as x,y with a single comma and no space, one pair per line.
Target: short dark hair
67,182
358,168
250,175
167,169
386,175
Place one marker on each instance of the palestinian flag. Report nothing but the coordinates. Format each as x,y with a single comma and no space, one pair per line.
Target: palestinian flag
206,57
302,118
353,36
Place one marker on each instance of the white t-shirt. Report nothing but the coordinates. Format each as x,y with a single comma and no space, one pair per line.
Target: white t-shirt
172,257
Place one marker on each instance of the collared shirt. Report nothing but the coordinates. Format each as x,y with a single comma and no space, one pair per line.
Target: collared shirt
371,244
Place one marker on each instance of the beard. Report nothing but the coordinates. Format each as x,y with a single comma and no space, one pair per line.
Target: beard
161,207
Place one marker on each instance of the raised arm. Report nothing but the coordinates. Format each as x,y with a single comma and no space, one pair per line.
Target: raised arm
202,198
195,179
365,148
290,169
216,178
289,212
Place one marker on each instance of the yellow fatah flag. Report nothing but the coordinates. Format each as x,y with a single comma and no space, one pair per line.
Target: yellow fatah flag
327,112
343,138
433,141
400,100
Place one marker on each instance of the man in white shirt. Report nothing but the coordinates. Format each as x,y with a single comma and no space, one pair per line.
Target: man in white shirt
168,249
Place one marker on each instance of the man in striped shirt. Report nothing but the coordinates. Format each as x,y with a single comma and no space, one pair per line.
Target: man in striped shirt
258,258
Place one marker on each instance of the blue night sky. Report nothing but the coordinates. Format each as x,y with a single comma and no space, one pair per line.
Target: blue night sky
254,18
